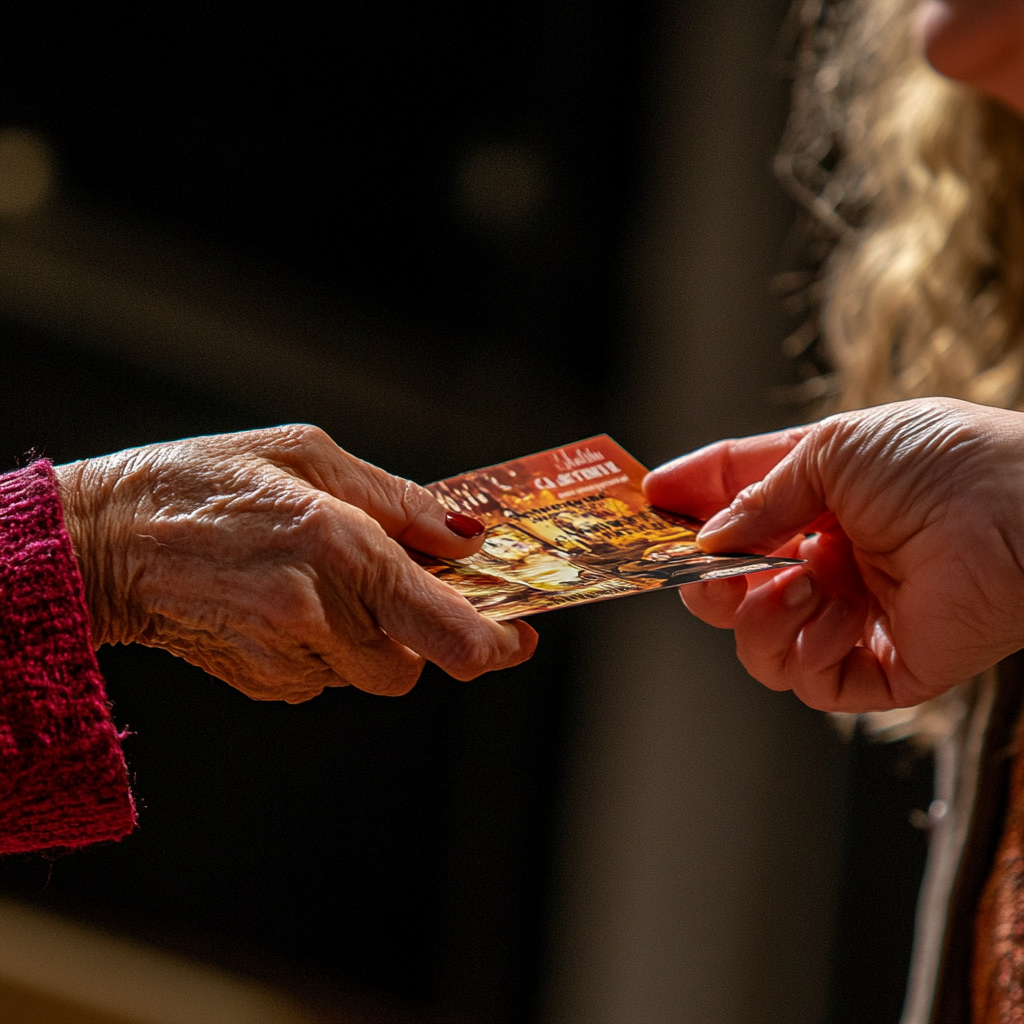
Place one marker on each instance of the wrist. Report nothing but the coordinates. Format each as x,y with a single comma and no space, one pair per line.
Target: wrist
90,517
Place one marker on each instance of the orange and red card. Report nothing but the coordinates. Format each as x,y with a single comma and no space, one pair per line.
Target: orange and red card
569,526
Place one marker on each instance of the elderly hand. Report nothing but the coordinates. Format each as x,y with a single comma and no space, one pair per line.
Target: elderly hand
273,560
911,518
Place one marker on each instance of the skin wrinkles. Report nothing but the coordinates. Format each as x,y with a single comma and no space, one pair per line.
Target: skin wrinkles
1007,539
962,455
900,446
730,482
977,616
222,551
915,582
356,481
413,498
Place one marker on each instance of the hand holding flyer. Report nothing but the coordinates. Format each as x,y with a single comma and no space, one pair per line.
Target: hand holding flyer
570,526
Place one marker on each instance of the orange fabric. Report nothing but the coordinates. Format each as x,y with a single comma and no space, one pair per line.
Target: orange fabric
997,977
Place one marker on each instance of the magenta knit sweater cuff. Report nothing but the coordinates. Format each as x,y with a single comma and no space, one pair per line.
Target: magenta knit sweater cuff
63,780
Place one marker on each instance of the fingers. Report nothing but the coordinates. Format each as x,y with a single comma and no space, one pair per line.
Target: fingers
811,629
427,621
416,611
701,483
789,638
274,560
386,613
430,618
362,655
716,601
407,512
766,514
411,515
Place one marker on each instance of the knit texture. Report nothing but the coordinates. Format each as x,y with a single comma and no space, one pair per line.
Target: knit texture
63,780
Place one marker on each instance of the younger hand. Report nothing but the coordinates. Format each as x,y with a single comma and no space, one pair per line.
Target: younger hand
911,518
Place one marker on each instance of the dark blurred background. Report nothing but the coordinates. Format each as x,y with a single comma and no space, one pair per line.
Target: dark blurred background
450,234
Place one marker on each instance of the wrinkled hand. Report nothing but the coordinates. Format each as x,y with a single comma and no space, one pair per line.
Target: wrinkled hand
911,518
273,560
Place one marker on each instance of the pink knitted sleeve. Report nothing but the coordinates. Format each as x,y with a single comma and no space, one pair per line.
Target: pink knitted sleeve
63,780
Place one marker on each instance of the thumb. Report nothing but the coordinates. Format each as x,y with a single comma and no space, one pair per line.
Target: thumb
767,513
406,511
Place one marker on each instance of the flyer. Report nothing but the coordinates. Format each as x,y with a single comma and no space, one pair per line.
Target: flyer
570,526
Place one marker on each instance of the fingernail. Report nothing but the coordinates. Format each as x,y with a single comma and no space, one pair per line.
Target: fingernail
463,526
797,592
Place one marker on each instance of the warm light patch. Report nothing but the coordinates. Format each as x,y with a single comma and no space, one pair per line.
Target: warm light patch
26,172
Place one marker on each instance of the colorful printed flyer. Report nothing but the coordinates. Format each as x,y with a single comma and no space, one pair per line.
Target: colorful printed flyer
569,526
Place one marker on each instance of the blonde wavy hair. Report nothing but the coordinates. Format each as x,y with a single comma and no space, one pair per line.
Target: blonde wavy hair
913,190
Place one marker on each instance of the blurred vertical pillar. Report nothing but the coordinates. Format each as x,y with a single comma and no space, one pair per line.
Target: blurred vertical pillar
703,813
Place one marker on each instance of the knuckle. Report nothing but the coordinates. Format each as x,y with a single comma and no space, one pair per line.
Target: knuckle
375,663
730,466
768,672
299,442
321,528
403,497
751,499
307,435
290,682
377,571
263,683
312,512
470,653
400,680
292,606
413,499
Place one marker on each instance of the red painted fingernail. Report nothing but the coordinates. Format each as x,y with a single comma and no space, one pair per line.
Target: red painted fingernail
463,526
